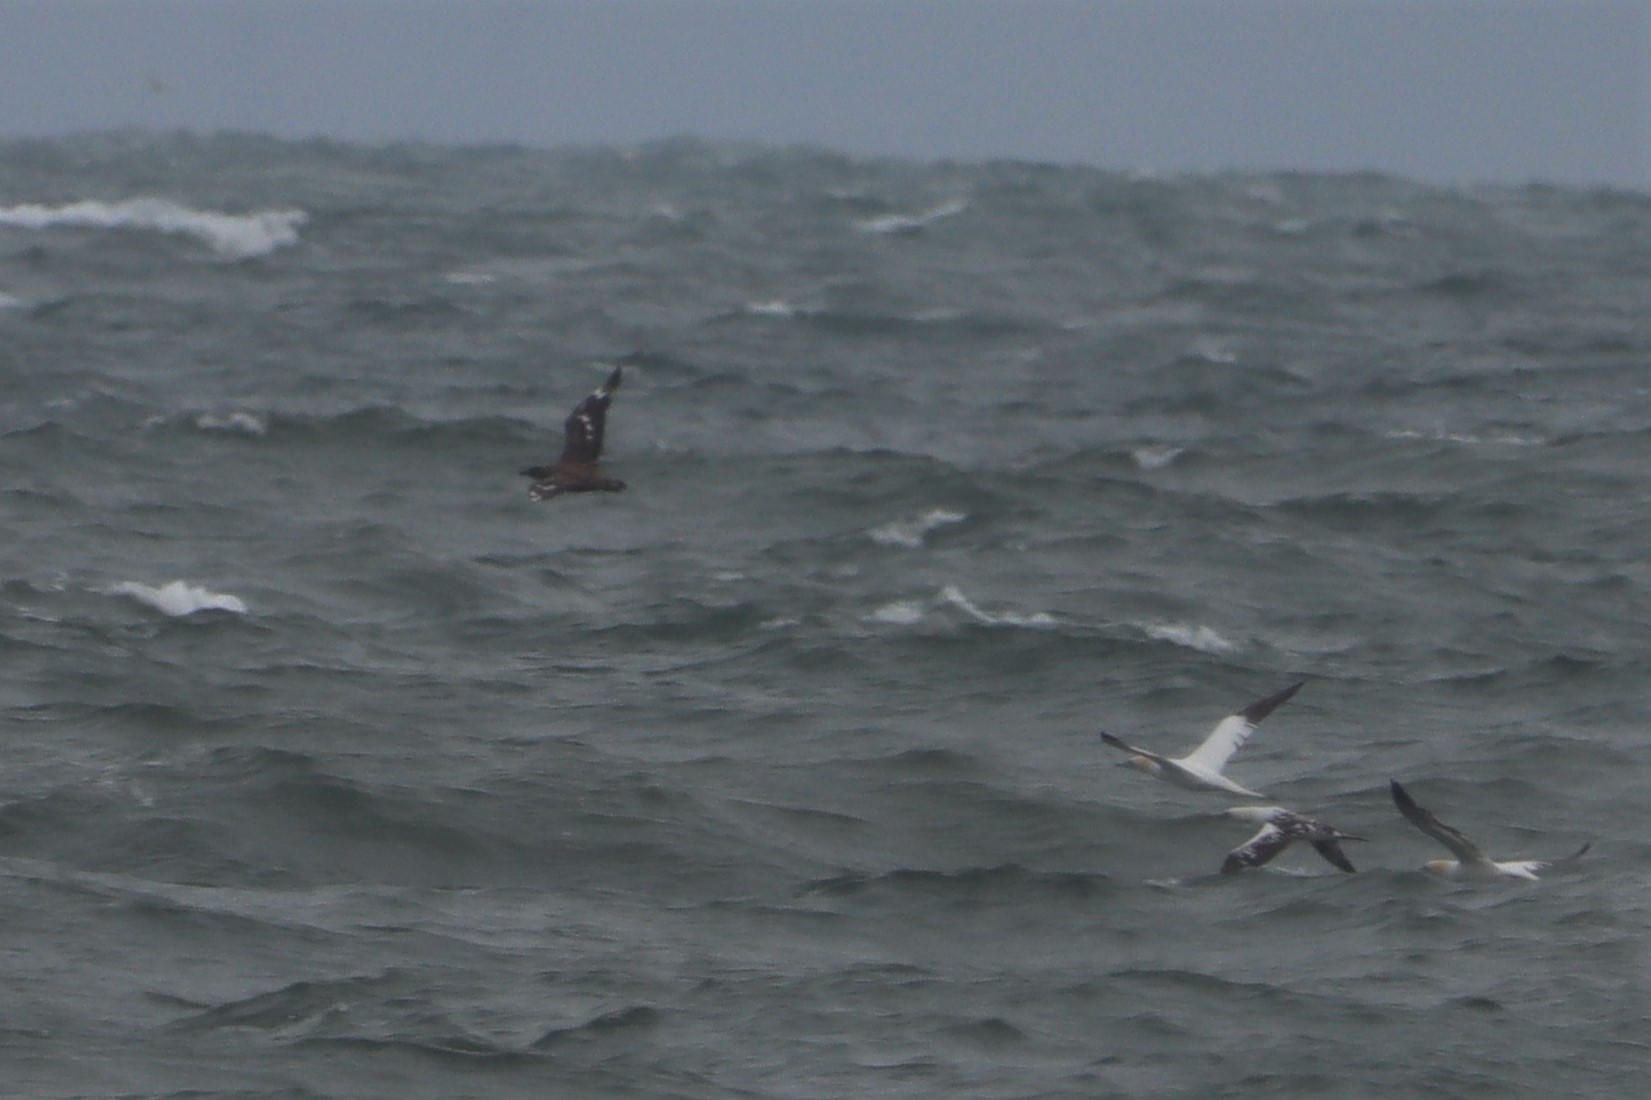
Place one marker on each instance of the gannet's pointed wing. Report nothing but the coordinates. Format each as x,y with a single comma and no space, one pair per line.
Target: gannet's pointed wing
1259,709
1260,848
1530,866
1232,731
1330,849
1127,747
1457,844
583,430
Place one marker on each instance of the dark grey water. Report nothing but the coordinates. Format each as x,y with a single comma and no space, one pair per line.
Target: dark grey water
335,768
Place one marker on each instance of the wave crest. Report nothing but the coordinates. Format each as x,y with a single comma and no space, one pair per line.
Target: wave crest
889,224
232,236
910,533
180,598
1205,639
913,612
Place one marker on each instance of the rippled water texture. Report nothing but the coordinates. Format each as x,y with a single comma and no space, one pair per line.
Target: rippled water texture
334,767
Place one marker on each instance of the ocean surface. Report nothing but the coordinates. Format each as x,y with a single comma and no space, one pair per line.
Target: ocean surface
334,767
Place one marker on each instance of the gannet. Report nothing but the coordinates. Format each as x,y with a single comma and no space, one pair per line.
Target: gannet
1470,862
1200,769
1279,829
576,470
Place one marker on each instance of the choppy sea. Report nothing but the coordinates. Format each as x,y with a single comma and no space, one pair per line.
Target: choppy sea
333,767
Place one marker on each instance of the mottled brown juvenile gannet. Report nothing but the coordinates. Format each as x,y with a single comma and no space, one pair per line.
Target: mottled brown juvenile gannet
576,471
1281,828
1200,769
1470,862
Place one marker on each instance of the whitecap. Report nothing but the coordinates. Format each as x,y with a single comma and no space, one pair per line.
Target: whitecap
233,236
899,613
470,278
1205,639
909,223
954,596
8,301
243,422
1212,349
910,533
1504,439
180,598
1155,456
911,612
776,308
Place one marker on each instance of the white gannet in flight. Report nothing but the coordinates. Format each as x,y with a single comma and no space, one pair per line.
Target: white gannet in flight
1200,769
1470,862
1279,829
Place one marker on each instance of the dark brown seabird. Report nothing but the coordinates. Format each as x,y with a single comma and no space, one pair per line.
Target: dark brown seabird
576,471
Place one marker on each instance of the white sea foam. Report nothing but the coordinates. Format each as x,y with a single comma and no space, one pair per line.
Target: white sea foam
953,596
243,422
470,278
909,223
180,598
899,613
776,308
910,533
1205,639
912,612
8,301
1504,439
233,236
1155,456
1212,349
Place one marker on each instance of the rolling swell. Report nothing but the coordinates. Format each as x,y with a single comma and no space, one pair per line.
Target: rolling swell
336,767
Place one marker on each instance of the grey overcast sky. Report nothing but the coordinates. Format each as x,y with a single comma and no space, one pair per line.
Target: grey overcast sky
1441,90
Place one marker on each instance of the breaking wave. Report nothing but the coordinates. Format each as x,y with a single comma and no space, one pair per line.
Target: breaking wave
232,236
180,598
911,533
